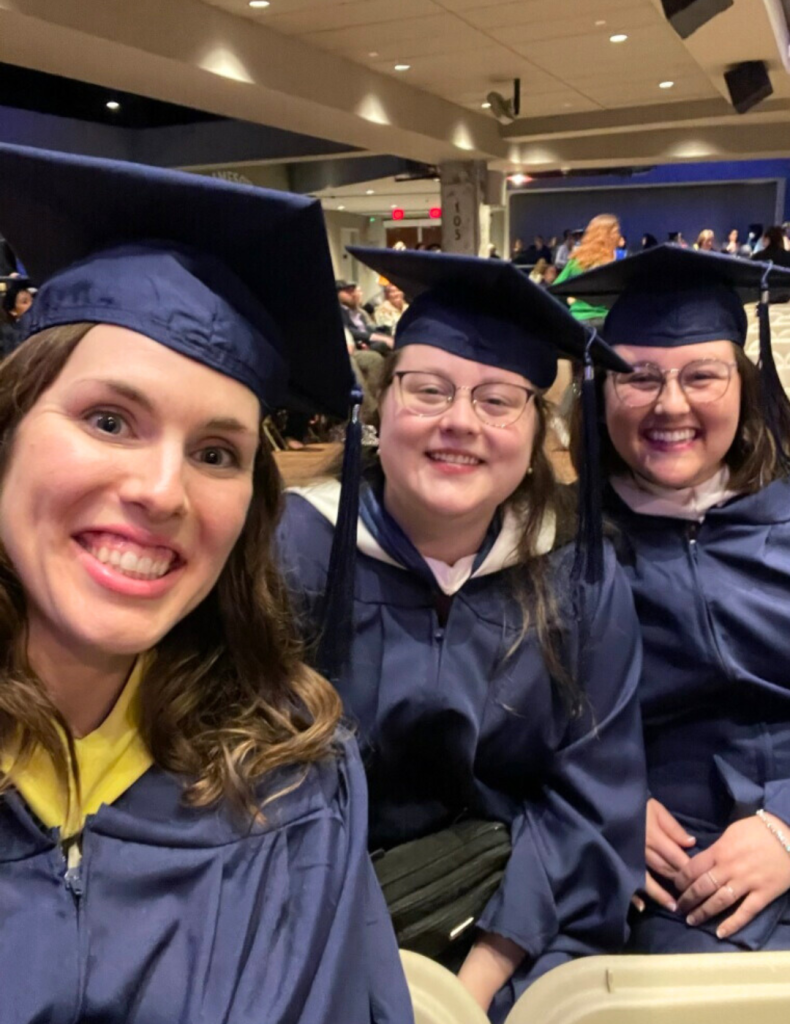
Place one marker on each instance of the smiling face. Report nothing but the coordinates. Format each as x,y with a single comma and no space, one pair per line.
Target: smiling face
451,468
674,442
127,486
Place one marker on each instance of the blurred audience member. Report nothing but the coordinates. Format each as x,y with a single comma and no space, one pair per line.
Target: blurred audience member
706,241
17,300
493,253
563,253
538,271
597,247
359,323
549,276
649,241
621,251
518,254
732,247
537,251
676,238
389,312
773,248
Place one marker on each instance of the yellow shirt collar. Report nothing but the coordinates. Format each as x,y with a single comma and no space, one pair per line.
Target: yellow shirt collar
110,759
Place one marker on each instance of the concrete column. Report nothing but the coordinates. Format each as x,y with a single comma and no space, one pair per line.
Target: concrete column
465,217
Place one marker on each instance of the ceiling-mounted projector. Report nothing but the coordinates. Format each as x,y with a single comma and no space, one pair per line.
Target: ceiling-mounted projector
507,109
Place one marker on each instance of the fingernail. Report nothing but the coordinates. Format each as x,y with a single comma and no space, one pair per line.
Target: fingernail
721,932
691,839
672,906
691,919
640,905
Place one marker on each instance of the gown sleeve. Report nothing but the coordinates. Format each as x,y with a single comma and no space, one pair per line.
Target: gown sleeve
349,969
578,846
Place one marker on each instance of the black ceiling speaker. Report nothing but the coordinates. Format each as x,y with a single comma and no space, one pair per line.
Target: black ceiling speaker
686,16
748,84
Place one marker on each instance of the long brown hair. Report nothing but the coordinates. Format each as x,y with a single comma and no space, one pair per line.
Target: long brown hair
596,246
751,458
536,496
227,698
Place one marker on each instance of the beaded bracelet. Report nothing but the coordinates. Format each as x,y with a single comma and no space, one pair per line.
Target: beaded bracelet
774,830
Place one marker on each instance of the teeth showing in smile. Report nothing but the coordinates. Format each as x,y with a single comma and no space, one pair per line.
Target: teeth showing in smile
456,458
128,558
671,436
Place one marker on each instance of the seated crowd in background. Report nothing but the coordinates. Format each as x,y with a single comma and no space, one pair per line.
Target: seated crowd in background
554,253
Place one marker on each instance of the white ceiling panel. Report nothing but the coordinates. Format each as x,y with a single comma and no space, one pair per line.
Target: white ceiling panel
411,37
330,16
550,18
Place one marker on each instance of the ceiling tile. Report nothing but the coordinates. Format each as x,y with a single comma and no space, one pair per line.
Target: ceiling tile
345,15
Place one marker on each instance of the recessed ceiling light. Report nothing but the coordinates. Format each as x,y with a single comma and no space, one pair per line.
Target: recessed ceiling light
402,67
600,22
113,105
373,53
341,207
486,106
394,206
259,3
665,85
620,37
370,191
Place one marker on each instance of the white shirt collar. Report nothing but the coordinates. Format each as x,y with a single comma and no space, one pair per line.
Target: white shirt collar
650,499
325,496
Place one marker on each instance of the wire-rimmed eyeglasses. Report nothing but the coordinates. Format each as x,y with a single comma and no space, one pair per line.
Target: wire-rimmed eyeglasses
498,403
702,381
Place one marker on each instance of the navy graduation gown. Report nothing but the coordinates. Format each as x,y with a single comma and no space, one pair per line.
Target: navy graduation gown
448,725
713,601
191,916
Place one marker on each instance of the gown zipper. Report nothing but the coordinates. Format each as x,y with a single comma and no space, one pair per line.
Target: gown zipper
692,533
74,881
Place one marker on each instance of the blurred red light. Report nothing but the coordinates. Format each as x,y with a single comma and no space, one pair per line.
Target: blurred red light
435,213
398,214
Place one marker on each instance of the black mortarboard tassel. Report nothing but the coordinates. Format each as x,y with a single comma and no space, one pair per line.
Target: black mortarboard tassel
588,560
337,614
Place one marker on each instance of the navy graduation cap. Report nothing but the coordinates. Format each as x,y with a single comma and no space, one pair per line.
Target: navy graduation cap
666,297
485,310
210,268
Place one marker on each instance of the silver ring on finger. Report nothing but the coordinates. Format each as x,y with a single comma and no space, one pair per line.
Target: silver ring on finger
712,877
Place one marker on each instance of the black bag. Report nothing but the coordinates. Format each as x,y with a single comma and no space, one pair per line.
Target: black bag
438,886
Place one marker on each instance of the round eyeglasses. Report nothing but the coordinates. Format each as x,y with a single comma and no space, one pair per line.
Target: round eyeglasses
702,381
496,404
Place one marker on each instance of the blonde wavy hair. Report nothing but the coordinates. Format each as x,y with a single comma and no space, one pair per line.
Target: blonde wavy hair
227,698
598,242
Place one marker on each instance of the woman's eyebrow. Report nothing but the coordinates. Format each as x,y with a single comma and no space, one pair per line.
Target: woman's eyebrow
133,394
229,424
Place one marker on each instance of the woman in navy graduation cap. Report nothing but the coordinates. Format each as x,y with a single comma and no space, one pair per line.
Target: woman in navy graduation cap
695,447
182,826
474,691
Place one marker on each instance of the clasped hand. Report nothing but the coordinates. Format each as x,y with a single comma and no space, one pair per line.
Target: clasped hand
746,866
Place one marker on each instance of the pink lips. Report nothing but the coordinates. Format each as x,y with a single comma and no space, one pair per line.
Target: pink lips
669,445
453,468
111,578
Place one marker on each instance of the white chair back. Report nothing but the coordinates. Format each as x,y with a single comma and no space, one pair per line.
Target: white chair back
699,988
438,997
